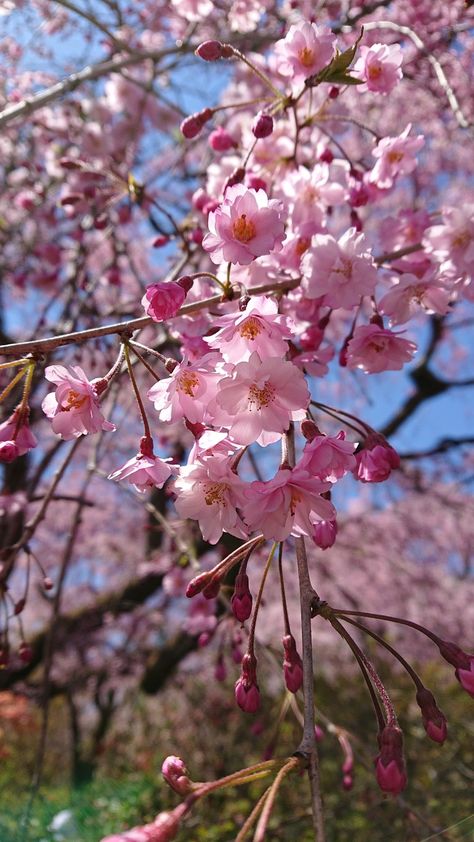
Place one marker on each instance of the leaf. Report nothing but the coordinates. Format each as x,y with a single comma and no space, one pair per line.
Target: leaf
336,70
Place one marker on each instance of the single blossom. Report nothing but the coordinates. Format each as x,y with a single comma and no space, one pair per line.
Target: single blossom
328,457
339,271
375,349
288,504
74,407
259,399
411,295
258,328
16,438
145,470
395,156
246,225
453,240
376,460
187,392
304,51
210,492
380,67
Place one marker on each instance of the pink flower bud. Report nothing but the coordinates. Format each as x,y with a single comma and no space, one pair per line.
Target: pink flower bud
389,765
209,50
326,156
212,589
256,183
324,533
309,430
9,451
434,720
196,236
376,460
176,775
198,584
318,733
333,92
292,664
347,782
163,300
262,125
247,696
48,583
160,241
466,677
192,125
241,601
220,140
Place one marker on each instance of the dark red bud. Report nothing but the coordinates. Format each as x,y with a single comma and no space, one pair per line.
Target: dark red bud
209,50
262,125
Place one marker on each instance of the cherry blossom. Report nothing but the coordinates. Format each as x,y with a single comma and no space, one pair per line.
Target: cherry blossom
304,51
74,407
375,349
412,294
163,300
380,67
376,459
259,399
288,504
16,438
339,271
187,392
244,226
210,492
453,240
328,458
395,156
145,470
256,328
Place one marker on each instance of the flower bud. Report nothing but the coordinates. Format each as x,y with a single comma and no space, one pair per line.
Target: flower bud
163,300
192,125
241,601
390,765
376,459
236,177
198,584
160,241
262,125
292,664
434,720
209,50
220,140
247,696
324,533
326,156
176,775
257,183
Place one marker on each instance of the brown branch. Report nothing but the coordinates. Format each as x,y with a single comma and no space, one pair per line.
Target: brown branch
48,344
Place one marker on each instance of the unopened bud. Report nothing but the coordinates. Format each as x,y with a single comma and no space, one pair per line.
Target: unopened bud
192,125
262,125
210,50
176,775
434,720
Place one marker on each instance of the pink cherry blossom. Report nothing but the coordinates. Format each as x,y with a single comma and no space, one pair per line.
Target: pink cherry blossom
304,51
286,505
260,398
187,392
328,458
257,328
379,66
16,438
411,294
210,492
453,240
376,459
144,471
375,349
244,226
340,271
395,156
74,407
163,300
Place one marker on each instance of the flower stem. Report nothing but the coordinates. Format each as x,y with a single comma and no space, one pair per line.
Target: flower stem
146,426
